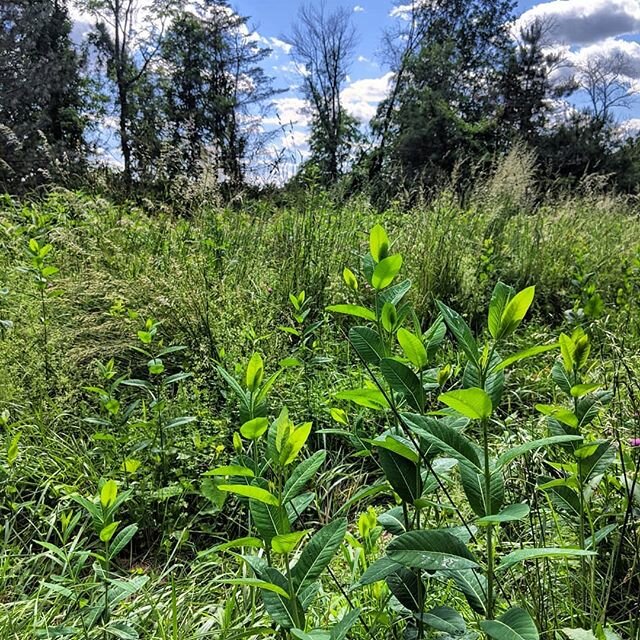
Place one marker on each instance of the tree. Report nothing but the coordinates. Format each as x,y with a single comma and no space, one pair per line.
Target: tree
442,104
41,102
127,37
323,46
215,87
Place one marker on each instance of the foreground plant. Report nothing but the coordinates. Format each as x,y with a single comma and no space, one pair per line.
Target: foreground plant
416,453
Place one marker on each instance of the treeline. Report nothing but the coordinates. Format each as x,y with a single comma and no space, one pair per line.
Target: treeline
183,88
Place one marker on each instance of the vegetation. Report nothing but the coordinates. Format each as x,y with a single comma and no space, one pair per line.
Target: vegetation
230,426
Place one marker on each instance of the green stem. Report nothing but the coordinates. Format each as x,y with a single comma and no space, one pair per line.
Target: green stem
489,533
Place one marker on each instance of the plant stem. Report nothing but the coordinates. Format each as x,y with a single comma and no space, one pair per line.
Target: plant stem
489,533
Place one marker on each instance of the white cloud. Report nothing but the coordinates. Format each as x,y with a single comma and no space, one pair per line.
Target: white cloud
362,97
629,128
582,22
363,59
289,110
404,10
358,9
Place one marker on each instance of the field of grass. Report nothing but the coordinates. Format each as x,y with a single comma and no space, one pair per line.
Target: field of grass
199,440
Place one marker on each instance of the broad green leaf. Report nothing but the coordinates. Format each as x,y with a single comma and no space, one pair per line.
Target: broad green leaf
461,332
317,553
474,587
122,539
350,279
472,403
296,440
370,398
108,493
516,452
302,474
579,390
339,415
559,413
515,624
254,429
249,491
444,438
404,585
367,344
403,381
283,610
377,571
106,533
473,483
500,297
522,355
378,243
508,514
493,383
444,619
353,310
254,372
388,317
521,555
402,474
432,550
413,348
230,470
239,543
392,521
286,542
269,520
397,444
568,352
515,311
385,271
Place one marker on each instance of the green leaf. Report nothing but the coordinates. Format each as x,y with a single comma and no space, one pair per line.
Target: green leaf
108,493
378,243
254,429
444,619
302,474
350,279
404,584
285,543
473,585
500,297
317,553
515,624
353,310
392,521
461,332
515,311
521,555
444,438
283,610
377,571
230,470
473,483
510,513
567,351
413,348
402,474
106,533
122,539
296,440
579,390
403,381
388,317
385,271
249,491
522,355
397,444
370,398
559,413
516,452
432,550
473,403
254,373
269,520
367,344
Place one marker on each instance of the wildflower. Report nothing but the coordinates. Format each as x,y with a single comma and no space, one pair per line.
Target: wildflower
634,442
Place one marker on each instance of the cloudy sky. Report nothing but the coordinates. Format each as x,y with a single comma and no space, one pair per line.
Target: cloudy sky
582,28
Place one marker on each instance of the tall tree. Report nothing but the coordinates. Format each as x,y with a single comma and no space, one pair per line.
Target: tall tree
323,46
442,105
127,36
41,101
215,87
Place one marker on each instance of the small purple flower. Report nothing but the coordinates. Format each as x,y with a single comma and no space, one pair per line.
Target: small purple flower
634,442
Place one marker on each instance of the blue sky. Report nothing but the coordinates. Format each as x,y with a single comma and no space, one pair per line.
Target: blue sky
583,30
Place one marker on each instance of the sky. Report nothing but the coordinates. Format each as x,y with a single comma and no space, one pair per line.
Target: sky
582,29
